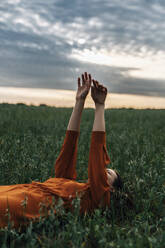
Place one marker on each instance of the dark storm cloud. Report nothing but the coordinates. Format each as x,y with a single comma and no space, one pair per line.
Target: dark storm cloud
37,39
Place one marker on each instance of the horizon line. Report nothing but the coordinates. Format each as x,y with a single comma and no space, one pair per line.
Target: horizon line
44,88
66,98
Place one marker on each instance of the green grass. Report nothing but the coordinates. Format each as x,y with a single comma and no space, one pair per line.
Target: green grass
30,141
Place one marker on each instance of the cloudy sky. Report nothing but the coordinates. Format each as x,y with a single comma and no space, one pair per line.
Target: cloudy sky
47,44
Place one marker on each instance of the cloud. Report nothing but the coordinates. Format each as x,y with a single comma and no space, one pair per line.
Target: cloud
47,44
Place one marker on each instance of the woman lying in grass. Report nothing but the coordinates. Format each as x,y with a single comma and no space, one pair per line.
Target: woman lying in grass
23,202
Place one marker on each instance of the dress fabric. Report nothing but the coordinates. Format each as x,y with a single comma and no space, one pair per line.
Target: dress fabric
22,202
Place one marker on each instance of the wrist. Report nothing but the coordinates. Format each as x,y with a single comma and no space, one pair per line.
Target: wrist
80,101
79,104
99,105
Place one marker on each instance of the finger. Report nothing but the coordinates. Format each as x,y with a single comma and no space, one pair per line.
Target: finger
100,87
89,81
83,79
95,84
90,78
78,81
86,76
105,89
93,81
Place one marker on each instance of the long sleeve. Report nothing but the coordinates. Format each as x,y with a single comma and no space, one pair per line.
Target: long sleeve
65,165
98,159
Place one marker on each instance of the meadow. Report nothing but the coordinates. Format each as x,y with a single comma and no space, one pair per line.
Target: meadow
30,141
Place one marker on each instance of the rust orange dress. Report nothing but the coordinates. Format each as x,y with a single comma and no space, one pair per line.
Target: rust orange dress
23,202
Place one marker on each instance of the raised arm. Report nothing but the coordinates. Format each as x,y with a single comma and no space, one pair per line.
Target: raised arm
65,165
98,156
99,93
82,92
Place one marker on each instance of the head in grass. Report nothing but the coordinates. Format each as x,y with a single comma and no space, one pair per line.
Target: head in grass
114,180
120,198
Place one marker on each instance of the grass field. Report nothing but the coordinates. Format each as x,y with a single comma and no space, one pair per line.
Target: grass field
30,141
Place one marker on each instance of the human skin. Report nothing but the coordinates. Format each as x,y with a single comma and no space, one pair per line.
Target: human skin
82,92
98,94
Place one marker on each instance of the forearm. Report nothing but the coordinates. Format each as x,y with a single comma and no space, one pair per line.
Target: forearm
99,121
75,119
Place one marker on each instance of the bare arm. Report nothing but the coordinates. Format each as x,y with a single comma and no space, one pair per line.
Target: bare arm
82,92
98,156
65,165
99,93
75,119
99,121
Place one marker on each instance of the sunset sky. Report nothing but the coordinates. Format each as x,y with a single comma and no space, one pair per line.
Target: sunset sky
48,44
